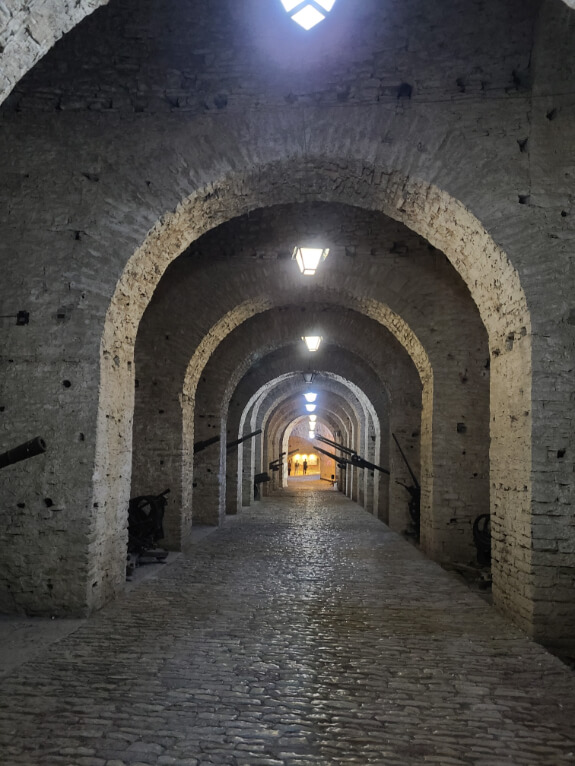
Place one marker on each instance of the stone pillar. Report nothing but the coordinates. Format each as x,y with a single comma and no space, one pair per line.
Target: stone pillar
232,463
209,472
247,477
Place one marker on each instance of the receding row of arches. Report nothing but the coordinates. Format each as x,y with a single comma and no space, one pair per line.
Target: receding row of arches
414,333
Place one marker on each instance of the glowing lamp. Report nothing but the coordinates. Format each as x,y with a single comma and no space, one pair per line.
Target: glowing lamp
312,425
312,418
311,434
310,397
310,407
312,342
309,258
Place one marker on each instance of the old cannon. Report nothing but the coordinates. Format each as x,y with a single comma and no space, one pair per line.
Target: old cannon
260,478
482,539
145,529
201,446
350,456
24,451
414,504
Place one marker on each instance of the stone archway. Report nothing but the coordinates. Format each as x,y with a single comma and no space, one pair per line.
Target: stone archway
369,308
364,412
492,281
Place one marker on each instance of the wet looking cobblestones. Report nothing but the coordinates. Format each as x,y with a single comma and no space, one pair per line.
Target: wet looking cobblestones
301,633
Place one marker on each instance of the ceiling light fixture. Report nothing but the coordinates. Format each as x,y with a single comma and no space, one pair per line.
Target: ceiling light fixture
313,418
309,258
310,407
310,397
312,342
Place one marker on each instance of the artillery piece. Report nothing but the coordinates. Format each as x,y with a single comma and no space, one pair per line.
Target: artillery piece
414,504
274,465
351,457
145,529
24,451
202,445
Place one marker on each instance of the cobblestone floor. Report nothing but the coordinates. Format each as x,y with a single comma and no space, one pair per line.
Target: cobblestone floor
304,633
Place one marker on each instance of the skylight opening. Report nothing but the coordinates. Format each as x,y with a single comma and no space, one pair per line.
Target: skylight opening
308,17
308,14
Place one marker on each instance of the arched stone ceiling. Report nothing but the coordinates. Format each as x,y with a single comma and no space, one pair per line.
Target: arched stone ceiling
492,281
249,345
230,262
338,404
272,373
29,28
275,403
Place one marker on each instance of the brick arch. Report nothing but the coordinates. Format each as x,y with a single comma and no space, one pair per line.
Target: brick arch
267,300
444,221
263,396
367,307
31,29
429,211
263,409
343,382
370,490
278,412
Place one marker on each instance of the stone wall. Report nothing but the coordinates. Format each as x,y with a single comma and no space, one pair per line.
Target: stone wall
154,123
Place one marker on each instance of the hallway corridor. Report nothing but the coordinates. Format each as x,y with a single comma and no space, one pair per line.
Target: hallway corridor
301,633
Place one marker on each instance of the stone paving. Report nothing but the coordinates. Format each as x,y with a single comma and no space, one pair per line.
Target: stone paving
301,633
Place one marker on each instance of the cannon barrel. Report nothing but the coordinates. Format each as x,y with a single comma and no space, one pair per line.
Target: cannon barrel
23,452
342,462
201,446
237,442
361,462
413,476
274,464
340,447
353,459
